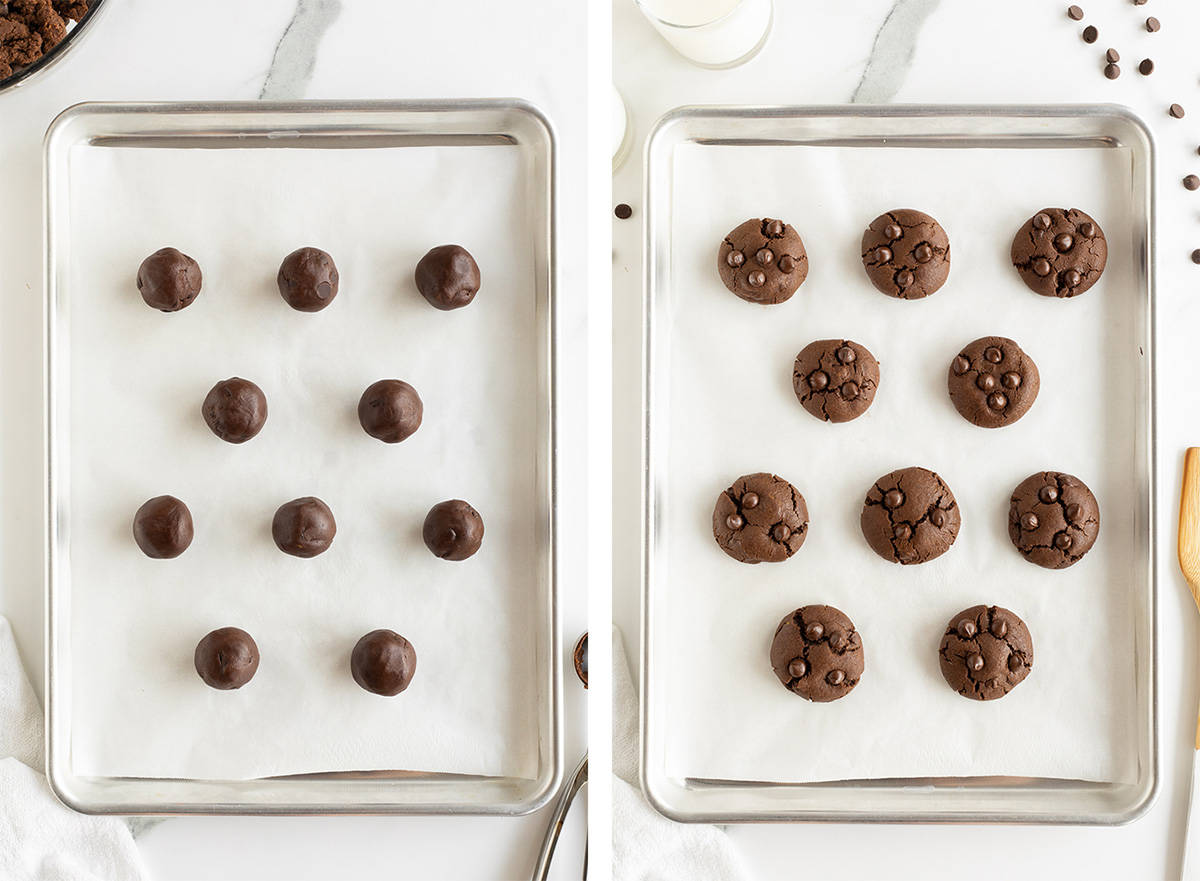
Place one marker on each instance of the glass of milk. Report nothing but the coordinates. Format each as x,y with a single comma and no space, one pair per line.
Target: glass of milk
711,33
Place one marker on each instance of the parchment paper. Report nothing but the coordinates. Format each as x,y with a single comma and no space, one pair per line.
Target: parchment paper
733,411
137,381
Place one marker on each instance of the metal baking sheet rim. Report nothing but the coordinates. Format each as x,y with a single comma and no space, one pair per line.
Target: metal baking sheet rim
917,800
285,124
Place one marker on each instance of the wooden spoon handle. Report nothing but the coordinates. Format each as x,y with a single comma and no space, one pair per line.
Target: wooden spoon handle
1189,521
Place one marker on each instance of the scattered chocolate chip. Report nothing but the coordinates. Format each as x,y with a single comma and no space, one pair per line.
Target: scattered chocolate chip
1090,34
1152,24
1112,71
1112,56
623,211
1196,256
1191,182
1146,67
1176,110
1139,2
1074,13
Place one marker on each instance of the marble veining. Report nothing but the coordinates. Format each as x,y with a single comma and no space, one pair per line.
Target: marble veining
296,52
892,52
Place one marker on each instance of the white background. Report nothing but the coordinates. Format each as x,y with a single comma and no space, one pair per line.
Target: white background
1018,51
222,50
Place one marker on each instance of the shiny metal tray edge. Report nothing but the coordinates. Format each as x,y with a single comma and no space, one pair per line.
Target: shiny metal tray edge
282,125
908,800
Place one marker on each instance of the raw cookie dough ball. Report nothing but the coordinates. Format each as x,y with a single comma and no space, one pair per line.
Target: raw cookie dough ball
1060,252
835,380
162,527
383,662
1053,519
227,658
235,409
308,279
303,527
169,280
390,410
992,382
763,261
448,277
985,652
453,530
906,254
817,653
910,516
760,519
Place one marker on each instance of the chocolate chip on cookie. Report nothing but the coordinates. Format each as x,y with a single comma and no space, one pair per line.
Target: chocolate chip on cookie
992,382
1060,252
1053,519
763,261
986,652
760,519
835,380
906,254
817,653
910,516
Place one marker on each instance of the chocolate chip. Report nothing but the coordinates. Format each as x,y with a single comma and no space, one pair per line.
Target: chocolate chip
1062,541
835,677
750,500
786,263
893,498
1074,13
1063,242
1153,24
623,211
993,354
735,258
1029,521
937,517
986,382
1087,229
1072,278
849,390
1146,67
1112,56
813,632
1176,110
1041,221
1112,71
1191,182
961,365
781,532
904,278
1041,266
818,380
892,231
966,628
923,253
797,668
1014,663
883,255
757,278
997,401
1011,380
999,628
1090,34
1073,512
1196,256
902,531
775,227
846,355
764,256
1048,495
975,661
838,641
735,521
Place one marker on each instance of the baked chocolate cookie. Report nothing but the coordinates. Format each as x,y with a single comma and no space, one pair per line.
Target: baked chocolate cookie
906,254
169,280
1060,252
763,261
1053,519
986,652
162,528
308,279
226,658
835,380
235,410
447,277
910,516
817,653
760,519
992,382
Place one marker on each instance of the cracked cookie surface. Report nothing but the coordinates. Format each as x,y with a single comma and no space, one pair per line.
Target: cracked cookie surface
992,382
835,380
817,653
986,652
760,519
906,254
1053,519
910,516
763,261
1060,252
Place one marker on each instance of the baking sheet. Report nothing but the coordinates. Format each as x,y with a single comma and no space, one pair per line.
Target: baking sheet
731,410
137,378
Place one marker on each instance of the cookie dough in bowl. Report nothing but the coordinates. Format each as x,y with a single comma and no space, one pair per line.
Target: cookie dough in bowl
985,652
906,254
760,519
763,261
817,653
910,516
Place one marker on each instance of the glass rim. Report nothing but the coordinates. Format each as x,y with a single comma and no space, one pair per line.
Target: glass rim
650,13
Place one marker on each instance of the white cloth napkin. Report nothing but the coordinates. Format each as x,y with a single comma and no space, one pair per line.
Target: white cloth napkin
646,845
40,839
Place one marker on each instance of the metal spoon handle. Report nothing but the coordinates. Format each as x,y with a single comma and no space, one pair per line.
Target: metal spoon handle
541,868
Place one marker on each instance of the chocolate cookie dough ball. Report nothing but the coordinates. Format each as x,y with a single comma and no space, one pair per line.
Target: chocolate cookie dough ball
817,653
448,277
169,280
453,530
906,254
760,519
227,658
910,516
235,409
835,380
763,261
162,527
992,382
1053,519
383,662
986,652
1060,252
390,410
308,279
304,527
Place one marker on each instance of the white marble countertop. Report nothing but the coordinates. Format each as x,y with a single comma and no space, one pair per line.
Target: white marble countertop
1022,51
171,50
